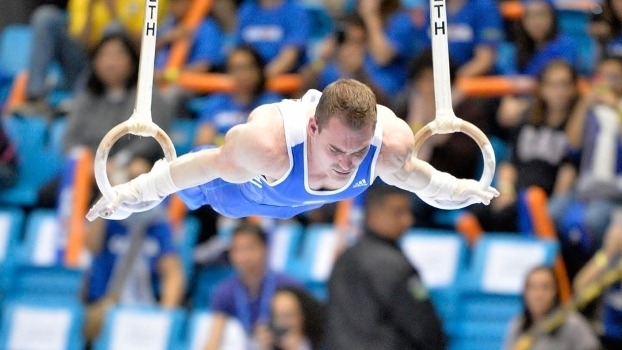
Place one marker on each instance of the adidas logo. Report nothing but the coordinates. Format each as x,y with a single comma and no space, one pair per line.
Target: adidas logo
360,184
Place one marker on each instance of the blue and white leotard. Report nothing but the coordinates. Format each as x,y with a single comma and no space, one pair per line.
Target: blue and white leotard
290,195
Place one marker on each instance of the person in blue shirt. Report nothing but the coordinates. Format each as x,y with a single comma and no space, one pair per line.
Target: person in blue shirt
158,260
206,53
474,31
343,56
207,49
246,296
222,111
394,36
539,40
278,30
154,275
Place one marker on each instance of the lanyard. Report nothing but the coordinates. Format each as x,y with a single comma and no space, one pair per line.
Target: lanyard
243,301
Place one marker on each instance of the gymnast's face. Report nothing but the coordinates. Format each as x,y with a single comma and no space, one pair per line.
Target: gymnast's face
336,149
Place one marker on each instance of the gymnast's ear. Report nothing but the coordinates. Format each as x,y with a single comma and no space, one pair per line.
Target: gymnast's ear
313,127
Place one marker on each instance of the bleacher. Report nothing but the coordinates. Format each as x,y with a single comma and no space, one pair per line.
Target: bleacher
476,290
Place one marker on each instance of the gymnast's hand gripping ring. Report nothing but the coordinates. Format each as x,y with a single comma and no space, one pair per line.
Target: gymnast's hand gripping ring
446,121
140,122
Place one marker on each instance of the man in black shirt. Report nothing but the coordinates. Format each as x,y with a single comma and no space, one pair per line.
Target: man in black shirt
376,298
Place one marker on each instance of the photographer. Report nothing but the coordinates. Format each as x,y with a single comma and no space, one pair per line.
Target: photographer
296,323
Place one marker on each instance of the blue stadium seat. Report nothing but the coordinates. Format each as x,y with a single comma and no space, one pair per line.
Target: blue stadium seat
182,132
50,283
57,130
37,163
196,104
140,327
319,249
474,344
504,59
575,24
186,241
14,57
11,222
501,261
205,282
284,241
440,256
41,239
490,290
37,324
234,336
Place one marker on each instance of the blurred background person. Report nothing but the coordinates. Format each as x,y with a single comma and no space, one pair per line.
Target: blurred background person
67,37
278,29
393,37
207,49
342,55
247,295
376,298
582,215
606,27
108,100
297,322
608,318
206,52
474,31
151,275
540,298
538,150
538,39
222,111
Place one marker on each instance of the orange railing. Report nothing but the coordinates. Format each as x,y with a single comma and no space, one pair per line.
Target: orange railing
513,9
497,85
536,200
179,51
82,189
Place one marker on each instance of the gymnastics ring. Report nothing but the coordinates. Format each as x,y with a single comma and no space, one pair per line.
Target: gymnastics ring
140,122
446,121
101,158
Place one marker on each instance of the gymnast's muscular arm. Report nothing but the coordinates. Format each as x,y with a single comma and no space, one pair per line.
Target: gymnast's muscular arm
398,166
249,150
255,148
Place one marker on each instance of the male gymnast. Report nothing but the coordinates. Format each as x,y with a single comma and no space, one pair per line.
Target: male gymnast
296,155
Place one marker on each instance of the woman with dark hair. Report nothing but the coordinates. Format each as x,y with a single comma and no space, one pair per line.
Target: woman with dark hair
606,27
539,39
223,111
108,100
538,149
540,298
297,321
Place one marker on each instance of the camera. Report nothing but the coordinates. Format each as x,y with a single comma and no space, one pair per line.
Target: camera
278,331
